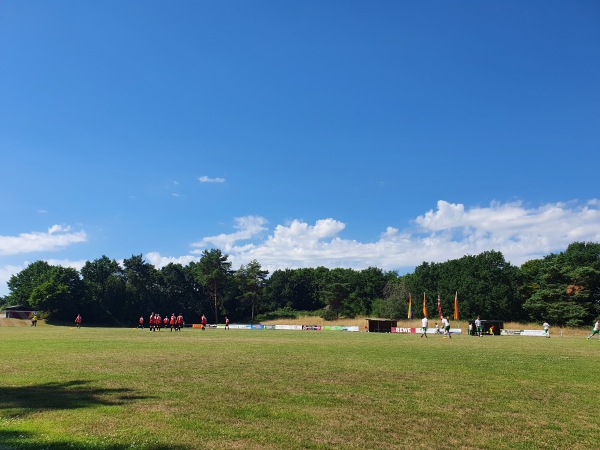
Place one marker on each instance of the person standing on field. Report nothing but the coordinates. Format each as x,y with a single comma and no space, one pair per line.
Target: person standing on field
227,323
78,321
203,320
546,329
424,323
596,329
446,323
478,328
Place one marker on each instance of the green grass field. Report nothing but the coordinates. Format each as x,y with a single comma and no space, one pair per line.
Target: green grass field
100,388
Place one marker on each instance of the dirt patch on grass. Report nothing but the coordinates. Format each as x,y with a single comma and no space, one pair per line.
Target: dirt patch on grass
4,322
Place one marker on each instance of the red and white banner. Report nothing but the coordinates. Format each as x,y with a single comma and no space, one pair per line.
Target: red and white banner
430,331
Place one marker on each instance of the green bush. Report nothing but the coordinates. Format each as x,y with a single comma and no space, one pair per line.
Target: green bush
328,314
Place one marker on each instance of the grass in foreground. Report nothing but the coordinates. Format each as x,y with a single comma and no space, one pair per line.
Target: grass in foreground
123,388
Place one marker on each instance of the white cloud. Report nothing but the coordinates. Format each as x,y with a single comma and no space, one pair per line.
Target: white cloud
248,227
75,264
205,179
449,232
57,237
159,261
520,233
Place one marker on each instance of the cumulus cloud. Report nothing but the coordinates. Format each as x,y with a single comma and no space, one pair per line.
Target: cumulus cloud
205,179
448,232
75,264
520,233
159,261
57,237
247,228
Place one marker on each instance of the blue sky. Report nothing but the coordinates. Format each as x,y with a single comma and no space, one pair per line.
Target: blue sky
297,133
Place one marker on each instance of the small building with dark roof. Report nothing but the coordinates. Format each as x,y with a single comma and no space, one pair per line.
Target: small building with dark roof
381,325
20,312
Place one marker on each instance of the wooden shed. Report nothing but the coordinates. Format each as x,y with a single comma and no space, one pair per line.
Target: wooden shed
19,312
381,325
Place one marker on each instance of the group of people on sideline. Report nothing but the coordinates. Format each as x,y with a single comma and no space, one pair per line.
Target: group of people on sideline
156,322
174,322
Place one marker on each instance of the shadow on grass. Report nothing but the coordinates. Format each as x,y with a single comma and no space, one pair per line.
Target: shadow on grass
22,400
16,440
19,401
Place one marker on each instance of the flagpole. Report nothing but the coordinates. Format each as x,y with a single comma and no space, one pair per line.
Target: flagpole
456,308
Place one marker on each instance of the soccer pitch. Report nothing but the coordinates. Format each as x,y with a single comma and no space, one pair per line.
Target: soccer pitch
117,388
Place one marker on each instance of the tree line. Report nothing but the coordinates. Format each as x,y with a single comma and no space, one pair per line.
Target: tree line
562,288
